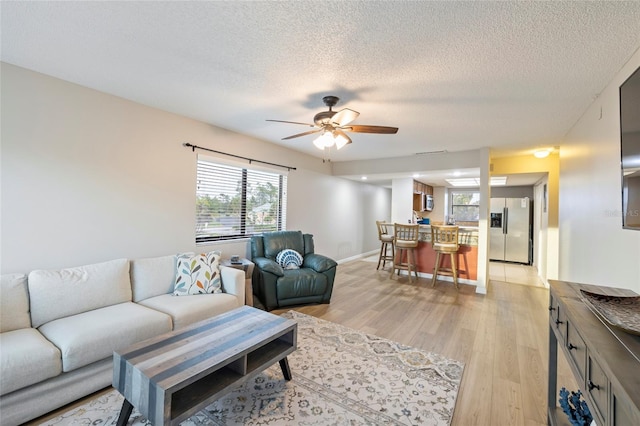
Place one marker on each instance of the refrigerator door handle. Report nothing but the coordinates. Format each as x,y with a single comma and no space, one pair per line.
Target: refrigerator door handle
505,220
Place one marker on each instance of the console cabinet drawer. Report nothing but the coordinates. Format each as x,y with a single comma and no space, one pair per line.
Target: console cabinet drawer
622,414
557,318
597,386
577,351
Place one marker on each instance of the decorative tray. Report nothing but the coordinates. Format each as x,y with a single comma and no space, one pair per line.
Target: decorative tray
618,311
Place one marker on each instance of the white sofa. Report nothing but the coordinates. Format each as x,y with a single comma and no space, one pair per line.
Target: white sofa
58,329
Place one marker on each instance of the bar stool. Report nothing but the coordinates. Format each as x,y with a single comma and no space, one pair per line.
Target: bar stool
386,239
444,240
406,241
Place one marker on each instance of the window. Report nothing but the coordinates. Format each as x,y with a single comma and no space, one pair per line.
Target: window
234,202
465,205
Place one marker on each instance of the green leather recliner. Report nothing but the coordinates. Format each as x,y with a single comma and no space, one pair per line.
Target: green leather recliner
277,287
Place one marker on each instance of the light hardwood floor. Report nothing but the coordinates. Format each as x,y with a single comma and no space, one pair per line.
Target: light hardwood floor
502,337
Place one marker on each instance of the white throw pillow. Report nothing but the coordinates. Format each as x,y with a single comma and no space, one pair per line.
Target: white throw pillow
198,274
289,259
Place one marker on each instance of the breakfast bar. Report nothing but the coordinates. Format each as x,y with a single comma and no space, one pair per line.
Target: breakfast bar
467,253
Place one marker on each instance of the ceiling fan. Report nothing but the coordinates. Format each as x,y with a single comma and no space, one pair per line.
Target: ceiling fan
332,126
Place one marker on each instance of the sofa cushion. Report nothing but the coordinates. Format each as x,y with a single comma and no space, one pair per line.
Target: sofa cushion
188,310
26,357
91,336
152,276
198,274
65,292
14,302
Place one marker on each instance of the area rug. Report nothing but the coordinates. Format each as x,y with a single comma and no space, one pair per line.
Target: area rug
340,377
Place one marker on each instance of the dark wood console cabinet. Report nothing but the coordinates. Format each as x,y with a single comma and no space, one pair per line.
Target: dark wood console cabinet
604,360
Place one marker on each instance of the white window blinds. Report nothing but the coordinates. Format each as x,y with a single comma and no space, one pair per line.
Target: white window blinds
237,202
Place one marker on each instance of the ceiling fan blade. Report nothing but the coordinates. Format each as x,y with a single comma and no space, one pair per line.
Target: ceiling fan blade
293,122
344,117
361,128
302,134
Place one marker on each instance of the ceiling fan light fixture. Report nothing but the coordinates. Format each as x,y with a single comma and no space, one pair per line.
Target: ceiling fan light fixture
340,141
325,140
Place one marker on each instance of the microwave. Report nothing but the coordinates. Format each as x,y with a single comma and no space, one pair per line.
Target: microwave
427,202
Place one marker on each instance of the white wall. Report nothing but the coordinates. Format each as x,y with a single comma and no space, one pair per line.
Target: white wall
540,227
593,246
402,200
88,177
440,202
340,213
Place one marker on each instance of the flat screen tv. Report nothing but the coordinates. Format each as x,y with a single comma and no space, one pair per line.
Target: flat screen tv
630,150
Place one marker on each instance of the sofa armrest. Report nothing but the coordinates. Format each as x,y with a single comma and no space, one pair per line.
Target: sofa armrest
268,265
233,282
318,262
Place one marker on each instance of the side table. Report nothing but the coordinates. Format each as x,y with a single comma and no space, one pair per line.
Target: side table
247,266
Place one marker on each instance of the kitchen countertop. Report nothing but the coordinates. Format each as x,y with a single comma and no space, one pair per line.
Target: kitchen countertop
422,227
467,235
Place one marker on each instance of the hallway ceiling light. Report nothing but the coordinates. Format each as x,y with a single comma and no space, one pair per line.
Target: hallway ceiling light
542,153
460,182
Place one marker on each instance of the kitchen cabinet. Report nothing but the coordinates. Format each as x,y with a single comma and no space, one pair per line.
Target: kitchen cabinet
422,188
604,360
419,191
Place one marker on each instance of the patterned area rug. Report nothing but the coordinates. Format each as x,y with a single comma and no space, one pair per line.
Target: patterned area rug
340,377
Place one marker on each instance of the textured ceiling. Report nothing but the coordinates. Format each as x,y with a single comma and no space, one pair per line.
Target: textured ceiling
451,75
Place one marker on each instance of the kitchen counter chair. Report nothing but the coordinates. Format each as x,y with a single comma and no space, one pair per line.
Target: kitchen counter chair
406,242
386,237
444,240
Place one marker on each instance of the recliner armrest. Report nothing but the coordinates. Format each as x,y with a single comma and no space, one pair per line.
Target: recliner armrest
318,262
269,265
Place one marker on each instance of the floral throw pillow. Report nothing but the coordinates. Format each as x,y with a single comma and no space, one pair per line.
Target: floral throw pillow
289,259
198,274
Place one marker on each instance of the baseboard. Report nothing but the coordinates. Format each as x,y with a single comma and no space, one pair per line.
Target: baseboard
358,256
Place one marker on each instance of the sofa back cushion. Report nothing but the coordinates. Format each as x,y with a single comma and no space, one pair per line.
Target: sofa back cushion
14,302
152,276
66,292
275,242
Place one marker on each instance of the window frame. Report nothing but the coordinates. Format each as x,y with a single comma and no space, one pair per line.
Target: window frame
453,191
245,178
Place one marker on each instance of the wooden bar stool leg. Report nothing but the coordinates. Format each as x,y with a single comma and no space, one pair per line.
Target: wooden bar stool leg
393,266
454,268
382,248
435,270
393,253
409,262
413,264
385,248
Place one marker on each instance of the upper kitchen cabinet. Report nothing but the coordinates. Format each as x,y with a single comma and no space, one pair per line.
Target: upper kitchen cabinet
420,191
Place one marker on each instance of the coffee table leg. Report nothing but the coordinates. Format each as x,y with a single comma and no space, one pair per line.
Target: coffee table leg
286,371
125,413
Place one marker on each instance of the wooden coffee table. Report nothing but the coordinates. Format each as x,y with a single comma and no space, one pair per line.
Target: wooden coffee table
171,377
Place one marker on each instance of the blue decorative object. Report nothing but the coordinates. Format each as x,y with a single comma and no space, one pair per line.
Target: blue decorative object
289,259
575,408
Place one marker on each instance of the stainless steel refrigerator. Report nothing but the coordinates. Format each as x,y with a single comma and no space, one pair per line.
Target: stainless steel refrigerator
510,233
